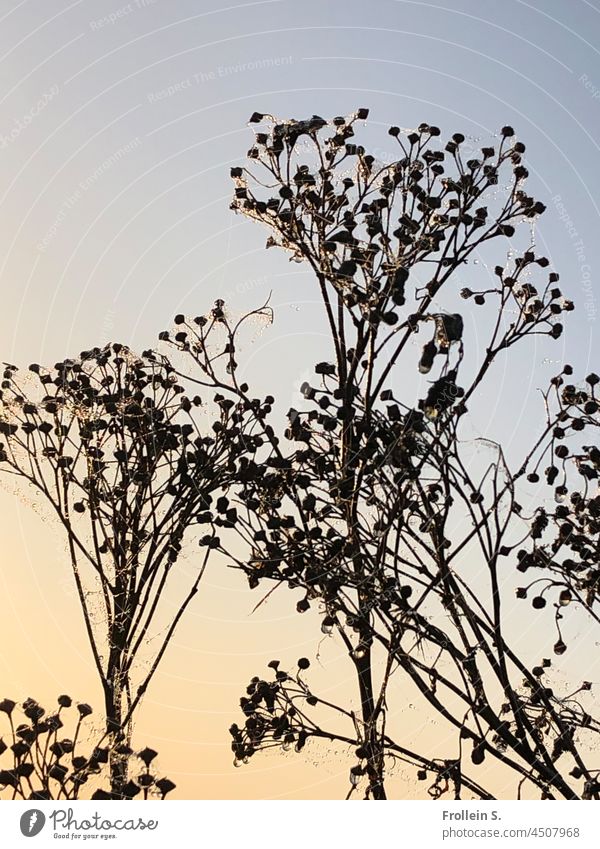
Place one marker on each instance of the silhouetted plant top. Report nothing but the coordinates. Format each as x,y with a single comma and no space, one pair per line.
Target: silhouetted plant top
375,509
44,764
129,463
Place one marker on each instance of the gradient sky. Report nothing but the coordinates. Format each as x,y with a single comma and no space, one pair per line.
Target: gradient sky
118,125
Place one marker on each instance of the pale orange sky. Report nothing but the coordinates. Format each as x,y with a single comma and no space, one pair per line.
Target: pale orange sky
194,696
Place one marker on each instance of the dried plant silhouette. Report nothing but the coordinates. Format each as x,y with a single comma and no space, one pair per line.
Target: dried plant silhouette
113,443
47,765
373,501
375,504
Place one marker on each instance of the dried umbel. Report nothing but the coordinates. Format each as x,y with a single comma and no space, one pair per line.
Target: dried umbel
365,227
129,463
372,504
561,558
37,760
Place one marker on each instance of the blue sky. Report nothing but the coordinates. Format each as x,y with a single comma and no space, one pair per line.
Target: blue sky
156,95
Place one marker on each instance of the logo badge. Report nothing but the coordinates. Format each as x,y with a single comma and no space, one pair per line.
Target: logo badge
32,822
